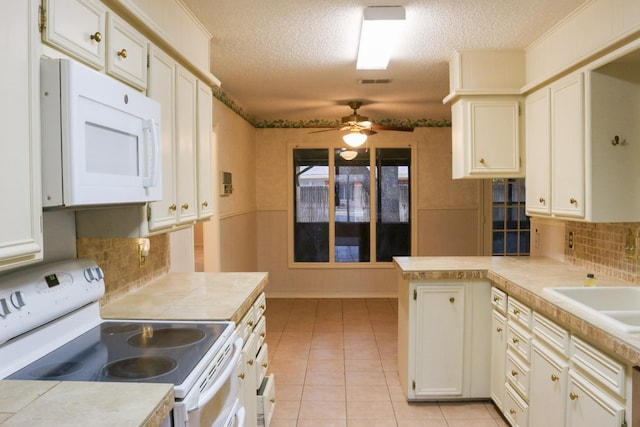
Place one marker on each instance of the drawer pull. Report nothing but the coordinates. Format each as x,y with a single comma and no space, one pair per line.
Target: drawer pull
122,53
262,334
515,340
265,365
554,377
250,362
573,396
97,36
516,311
185,206
272,400
205,204
514,374
512,411
498,330
173,207
573,201
250,323
496,299
452,300
482,161
241,375
262,307
541,200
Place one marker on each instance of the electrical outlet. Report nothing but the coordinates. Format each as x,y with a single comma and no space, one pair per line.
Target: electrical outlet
571,240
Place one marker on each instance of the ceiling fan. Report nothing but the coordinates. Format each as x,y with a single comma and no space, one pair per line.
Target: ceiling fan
360,127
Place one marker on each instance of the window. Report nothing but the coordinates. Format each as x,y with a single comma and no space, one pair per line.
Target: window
510,223
351,211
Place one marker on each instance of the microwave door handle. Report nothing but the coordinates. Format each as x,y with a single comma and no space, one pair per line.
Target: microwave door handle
222,379
152,178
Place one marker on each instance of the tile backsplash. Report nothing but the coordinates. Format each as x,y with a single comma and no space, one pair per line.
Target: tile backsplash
118,258
600,247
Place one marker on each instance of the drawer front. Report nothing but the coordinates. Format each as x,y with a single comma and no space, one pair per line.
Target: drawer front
260,305
519,312
262,360
249,353
598,365
261,330
516,410
552,334
517,375
266,400
499,299
519,341
246,325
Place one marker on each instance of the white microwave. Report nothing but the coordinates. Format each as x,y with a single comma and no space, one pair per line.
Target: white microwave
100,139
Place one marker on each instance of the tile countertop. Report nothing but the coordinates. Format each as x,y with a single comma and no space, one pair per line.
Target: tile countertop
190,296
524,278
53,403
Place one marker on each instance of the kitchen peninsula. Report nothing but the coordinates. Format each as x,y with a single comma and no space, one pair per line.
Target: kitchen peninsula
540,356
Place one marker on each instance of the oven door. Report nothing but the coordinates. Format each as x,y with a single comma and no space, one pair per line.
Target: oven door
215,404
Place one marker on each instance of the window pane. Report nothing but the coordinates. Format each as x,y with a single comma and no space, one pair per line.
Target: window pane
393,227
352,207
311,210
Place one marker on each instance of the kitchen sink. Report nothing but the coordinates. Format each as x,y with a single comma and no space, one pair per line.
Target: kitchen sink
617,306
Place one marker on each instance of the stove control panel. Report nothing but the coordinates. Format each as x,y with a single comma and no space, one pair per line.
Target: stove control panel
33,297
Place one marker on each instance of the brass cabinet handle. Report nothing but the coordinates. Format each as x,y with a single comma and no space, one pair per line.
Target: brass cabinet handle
498,329
452,300
514,374
185,206
573,396
265,365
515,340
205,204
512,411
262,307
241,375
250,323
262,334
496,299
573,201
542,200
250,362
173,207
516,311
122,53
96,36
554,377
482,160
272,400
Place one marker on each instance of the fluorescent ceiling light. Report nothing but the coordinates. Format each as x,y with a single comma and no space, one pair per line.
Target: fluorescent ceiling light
380,28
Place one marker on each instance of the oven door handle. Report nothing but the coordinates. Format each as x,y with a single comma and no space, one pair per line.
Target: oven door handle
228,371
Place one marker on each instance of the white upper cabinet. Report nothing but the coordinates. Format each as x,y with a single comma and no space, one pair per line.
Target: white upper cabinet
89,32
204,151
487,131
538,152
486,137
20,185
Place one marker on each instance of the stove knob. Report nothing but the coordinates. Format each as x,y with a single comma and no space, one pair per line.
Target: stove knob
16,300
99,273
4,308
88,274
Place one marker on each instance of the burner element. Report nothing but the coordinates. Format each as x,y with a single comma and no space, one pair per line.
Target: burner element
56,370
137,368
166,338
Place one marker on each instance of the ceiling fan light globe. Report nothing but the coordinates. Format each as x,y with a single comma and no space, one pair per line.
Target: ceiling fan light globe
354,138
348,154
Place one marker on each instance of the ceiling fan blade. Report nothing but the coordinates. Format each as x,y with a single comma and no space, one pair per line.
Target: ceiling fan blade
324,130
368,132
398,128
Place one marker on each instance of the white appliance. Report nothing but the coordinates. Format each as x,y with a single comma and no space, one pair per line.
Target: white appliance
51,330
100,139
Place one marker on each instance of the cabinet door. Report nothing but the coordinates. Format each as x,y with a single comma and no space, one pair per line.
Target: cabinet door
538,152
567,145
163,213
588,405
205,150
438,340
486,141
126,52
186,91
20,184
498,355
548,387
77,27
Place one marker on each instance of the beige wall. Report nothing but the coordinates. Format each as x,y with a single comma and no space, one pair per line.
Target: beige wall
449,214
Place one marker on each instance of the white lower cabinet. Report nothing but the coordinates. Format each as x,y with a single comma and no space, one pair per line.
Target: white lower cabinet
498,357
443,330
588,405
548,387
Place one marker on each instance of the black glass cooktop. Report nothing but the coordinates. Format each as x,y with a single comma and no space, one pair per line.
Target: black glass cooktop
129,351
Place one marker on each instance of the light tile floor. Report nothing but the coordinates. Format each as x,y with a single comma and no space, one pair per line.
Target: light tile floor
335,365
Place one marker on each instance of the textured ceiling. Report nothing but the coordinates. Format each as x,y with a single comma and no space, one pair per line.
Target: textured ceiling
295,59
